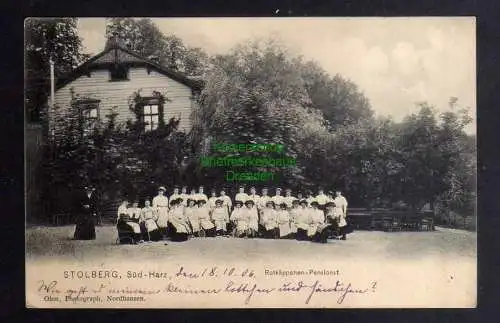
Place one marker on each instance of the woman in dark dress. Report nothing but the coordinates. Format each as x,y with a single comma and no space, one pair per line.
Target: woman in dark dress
86,208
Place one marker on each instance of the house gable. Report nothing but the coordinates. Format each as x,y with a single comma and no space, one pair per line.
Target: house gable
92,81
120,55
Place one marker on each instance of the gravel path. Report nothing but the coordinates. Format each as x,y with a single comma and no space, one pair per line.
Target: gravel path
47,243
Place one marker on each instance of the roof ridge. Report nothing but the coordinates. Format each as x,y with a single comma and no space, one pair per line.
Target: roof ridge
176,75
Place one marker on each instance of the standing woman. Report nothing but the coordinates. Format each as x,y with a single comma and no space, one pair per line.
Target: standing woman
184,195
160,204
294,214
285,230
288,199
179,223
148,222
226,201
203,214
341,215
220,216
212,199
86,212
175,195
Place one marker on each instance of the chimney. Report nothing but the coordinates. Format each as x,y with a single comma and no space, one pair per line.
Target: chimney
114,42
154,58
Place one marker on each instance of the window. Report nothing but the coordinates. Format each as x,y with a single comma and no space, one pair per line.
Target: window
89,113
151,116
90,119
118,73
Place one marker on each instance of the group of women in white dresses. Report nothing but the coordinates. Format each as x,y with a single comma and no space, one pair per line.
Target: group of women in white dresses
195,215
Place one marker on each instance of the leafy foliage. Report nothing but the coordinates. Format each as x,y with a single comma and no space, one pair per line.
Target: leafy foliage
144,37
46,38
120,160
260,93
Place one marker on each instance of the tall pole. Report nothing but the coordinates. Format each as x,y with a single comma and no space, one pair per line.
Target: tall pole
52,97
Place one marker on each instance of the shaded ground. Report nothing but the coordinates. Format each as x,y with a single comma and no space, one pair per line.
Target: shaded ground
55,242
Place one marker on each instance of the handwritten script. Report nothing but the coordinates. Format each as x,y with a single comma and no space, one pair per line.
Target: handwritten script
136,287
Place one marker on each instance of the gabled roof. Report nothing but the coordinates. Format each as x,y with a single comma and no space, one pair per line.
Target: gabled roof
119,54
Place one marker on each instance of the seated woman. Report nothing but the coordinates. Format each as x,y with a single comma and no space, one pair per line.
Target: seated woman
128,230
180,229
134,212
191,213
253,219
149,216
270,221
302,221
284,220
317,218
220,217
204,219
241,219
319,229
331,219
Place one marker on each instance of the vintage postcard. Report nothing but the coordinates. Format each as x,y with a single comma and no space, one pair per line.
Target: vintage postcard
250,162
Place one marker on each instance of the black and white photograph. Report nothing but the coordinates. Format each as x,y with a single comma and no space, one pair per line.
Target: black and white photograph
290,162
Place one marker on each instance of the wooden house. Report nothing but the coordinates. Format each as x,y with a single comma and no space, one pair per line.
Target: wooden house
106,82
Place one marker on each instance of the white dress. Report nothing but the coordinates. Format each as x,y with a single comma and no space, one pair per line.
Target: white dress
204,218
149,217
263,200
317,219
269,218
289,200
211,202
134,213
173,197
303,218
191,214
226,201
160,203
294,214
133,225
278,199
178,220
243,197
241,218
253,218
220,218
340,210
284,223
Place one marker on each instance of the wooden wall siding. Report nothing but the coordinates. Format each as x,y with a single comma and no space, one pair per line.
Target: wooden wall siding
115,95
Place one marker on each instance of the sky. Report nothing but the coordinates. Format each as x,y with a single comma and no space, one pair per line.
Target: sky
396,62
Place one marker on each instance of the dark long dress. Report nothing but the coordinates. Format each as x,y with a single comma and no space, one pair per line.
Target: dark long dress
85,217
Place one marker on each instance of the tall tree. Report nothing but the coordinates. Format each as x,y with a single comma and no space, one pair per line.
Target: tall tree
340,100
144,37
256,95
47,38
459,157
